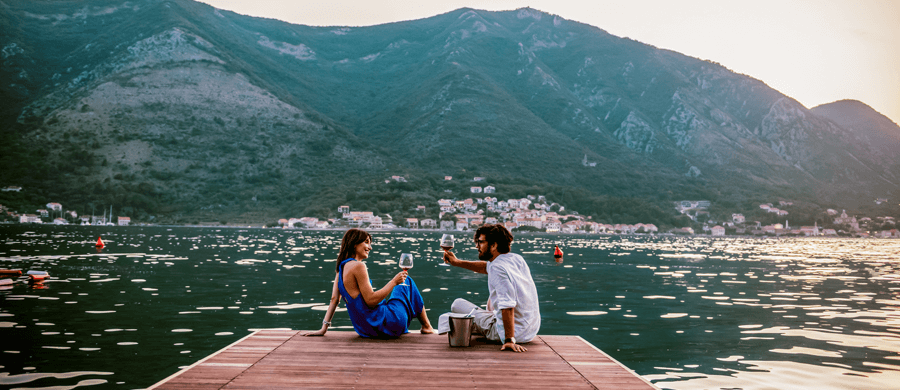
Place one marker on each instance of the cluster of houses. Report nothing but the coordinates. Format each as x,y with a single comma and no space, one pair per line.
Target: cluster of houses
775,210
853,224
739,224
533,212
536,213
55,214
698,208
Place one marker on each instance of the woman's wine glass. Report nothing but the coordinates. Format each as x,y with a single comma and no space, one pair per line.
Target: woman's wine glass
406,263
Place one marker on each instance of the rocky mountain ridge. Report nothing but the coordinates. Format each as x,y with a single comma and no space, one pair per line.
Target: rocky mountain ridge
170,106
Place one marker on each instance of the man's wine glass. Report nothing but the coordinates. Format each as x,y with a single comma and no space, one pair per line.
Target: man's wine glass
406,263
446,244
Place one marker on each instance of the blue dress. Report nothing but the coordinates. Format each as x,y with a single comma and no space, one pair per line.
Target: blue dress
391,317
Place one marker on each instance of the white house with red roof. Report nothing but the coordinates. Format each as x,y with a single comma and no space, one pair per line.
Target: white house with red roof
29,218
428,223
412,223
552,226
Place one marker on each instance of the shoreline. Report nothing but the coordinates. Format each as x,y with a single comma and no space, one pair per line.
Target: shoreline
396,230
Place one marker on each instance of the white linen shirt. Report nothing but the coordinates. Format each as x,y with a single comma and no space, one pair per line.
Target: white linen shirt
511,286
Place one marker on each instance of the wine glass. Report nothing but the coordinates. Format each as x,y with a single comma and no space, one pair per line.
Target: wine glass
406,263
446,244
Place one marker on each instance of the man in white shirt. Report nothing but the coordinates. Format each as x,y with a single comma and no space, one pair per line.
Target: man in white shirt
512,314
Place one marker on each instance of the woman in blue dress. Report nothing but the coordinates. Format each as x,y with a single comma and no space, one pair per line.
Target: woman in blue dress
386,312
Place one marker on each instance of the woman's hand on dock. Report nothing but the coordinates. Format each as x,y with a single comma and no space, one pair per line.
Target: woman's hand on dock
427,330
320,332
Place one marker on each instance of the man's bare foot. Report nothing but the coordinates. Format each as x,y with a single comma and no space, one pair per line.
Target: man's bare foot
428,330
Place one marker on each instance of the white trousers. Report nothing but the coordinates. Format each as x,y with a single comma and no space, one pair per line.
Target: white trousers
483,322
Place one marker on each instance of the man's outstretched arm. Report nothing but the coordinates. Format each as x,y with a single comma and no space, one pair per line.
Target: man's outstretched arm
474,266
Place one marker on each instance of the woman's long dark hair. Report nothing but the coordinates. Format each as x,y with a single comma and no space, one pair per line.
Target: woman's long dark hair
352,238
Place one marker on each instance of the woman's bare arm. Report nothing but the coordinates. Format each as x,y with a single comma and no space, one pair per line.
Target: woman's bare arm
332,306
361,275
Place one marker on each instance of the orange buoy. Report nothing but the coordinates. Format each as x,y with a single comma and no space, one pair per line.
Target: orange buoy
100,243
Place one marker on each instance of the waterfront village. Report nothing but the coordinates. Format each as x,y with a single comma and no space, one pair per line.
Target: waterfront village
531,213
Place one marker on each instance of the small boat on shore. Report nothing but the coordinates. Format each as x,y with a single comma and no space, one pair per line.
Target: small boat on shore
10,273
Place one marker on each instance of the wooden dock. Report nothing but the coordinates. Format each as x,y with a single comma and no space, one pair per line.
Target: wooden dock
342,360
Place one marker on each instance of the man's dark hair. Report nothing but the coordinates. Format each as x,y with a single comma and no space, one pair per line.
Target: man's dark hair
496,233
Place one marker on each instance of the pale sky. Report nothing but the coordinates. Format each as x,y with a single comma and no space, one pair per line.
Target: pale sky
815,51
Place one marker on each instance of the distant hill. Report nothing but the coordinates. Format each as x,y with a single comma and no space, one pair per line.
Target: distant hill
174,110
868,127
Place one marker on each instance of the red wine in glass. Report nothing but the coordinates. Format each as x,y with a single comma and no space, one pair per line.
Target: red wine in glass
406,263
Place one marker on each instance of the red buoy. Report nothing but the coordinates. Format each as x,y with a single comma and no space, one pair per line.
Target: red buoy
557,253
100,243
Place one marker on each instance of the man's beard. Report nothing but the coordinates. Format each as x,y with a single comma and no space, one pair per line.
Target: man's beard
484,255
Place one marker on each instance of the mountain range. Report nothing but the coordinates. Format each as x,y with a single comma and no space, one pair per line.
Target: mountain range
173,108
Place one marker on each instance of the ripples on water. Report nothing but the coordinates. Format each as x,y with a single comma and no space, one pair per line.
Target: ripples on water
686,313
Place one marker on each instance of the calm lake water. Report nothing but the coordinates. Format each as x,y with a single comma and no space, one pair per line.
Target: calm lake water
685,313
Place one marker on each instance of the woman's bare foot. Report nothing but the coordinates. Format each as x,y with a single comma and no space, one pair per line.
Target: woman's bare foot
426,325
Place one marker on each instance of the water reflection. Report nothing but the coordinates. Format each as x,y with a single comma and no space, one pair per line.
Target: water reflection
684,312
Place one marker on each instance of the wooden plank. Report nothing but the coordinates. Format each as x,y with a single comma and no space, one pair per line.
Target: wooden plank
595,365
218,369
343,360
